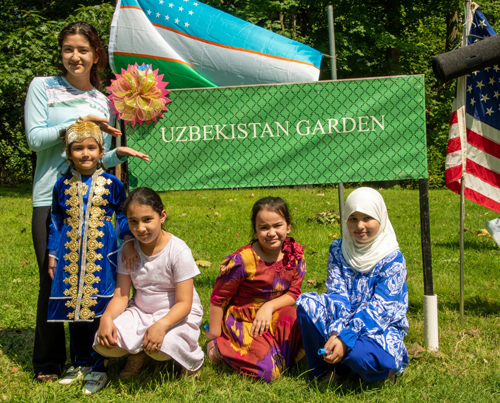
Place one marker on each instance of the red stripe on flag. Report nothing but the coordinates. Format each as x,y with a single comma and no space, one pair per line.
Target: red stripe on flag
481,199
453,118
138,8
453,174
453,145
167,59
486,175
483,144
454,187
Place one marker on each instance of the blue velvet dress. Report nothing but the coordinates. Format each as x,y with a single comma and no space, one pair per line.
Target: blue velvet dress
82,237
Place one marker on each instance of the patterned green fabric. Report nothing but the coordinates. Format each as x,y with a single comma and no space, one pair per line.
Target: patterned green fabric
285,134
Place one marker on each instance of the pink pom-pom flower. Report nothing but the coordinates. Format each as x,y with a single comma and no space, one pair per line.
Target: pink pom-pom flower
138,94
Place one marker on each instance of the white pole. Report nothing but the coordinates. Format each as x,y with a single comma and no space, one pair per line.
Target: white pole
431,328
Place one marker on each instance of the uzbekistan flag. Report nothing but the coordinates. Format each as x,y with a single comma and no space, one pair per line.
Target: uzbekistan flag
474,136
196,45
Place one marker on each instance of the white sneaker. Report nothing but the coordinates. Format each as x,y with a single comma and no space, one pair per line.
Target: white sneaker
493,228
95,382
73,374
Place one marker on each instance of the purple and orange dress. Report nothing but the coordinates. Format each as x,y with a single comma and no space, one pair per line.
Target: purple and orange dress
244,284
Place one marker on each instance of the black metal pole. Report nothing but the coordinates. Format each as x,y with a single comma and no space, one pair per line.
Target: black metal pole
425,235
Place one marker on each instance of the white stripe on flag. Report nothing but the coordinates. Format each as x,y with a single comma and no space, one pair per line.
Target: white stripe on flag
484,130
453,159
237,64
135,32
487,161
454,131
479,186
221,65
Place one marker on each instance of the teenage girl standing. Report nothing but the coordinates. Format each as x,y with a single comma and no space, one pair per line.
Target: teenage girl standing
52,104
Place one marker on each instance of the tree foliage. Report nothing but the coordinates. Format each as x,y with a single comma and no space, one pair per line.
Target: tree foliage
28,43
373,38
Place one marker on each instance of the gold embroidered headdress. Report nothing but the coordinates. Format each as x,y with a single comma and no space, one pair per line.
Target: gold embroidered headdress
81,130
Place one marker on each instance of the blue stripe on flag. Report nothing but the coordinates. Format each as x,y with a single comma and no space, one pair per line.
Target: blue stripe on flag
208,23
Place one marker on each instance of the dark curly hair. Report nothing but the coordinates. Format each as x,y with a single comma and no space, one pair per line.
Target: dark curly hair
88,31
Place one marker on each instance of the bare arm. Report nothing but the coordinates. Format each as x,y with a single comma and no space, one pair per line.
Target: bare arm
262,321
215,328
153,338
103,125
106,334
130,152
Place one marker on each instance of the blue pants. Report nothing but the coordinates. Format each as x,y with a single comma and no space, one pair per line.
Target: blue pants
81,340
370,361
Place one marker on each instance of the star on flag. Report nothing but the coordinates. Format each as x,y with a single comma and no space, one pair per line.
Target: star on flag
179,17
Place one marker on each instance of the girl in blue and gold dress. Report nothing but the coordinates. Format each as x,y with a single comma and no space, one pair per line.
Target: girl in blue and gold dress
82,239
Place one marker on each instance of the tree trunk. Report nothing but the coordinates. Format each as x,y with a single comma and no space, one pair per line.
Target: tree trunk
393,24
451,30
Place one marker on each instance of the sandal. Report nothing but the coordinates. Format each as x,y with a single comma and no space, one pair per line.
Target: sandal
391,378
185,373
134,366
44,378
213,353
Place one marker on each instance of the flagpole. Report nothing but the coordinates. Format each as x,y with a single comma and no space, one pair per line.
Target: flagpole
461,91
331,34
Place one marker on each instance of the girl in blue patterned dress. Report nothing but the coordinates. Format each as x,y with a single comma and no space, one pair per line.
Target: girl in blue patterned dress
360,321
81,243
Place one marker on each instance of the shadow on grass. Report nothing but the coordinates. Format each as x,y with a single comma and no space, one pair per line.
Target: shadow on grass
351,385
473,244
18,191
17,344
204,280
476,305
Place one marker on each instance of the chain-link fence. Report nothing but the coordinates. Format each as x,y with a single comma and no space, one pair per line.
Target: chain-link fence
285,134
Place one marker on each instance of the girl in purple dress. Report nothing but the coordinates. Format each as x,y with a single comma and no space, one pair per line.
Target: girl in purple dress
253,321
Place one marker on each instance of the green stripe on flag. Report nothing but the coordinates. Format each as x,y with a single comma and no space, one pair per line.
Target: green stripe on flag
180,75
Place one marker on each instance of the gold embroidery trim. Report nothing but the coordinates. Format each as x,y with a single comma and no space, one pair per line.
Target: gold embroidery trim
95,221
73,245
91,232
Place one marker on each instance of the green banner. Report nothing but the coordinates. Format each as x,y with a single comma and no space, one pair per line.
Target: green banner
285,134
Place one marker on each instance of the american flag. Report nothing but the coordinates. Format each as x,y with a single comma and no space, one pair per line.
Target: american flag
481,132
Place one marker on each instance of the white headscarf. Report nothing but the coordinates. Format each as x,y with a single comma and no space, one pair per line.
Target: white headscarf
364,256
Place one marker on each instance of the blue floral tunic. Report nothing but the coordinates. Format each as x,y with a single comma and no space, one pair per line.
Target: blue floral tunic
372,304
82,237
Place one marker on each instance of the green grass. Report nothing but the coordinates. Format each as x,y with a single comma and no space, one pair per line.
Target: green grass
466,368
